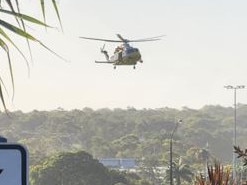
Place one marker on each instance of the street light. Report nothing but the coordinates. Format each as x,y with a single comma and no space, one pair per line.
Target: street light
171,138
235,88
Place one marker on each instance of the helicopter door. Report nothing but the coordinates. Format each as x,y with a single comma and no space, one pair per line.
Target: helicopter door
120,55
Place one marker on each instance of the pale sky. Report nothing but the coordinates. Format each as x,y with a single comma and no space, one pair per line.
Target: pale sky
203,50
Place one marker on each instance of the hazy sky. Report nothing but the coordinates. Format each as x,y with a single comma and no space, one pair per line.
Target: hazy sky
204,49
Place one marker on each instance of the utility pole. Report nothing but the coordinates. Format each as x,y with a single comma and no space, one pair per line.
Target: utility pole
234,88
171,160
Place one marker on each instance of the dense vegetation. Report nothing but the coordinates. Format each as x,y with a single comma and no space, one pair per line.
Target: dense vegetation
127,132
73,168
204,135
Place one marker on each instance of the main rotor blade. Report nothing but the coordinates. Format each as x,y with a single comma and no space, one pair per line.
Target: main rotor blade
106,40
159,36
121,38
125,40
148,39
143,40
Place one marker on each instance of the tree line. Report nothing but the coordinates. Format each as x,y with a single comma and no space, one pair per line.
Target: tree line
204,135
127,132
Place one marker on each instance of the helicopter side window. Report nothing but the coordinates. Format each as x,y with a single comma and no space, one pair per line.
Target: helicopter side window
130,50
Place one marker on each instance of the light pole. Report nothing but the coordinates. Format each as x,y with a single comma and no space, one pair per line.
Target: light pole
171,161
235,88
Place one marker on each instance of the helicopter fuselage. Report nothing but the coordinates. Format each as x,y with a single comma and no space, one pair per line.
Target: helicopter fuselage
126,56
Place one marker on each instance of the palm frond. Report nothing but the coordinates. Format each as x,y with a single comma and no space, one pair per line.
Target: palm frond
42,4
19,28
5,48
241,154
2,33
57,12
24,17
12,9
24,28
2,97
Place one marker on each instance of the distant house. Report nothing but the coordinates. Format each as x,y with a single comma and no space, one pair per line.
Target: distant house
120,163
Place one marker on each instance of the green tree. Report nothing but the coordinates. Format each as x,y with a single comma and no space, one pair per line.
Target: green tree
72,169
150,170
126,145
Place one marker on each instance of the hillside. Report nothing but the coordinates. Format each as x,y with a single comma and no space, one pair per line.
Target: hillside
127,132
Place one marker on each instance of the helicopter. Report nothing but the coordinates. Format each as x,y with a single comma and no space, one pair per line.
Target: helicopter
124,54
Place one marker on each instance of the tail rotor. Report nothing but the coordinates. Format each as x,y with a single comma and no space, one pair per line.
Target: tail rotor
102,50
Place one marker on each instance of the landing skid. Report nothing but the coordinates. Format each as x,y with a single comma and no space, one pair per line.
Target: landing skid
115,67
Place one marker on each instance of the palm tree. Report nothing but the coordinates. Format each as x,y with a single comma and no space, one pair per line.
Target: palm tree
18,27
181,171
